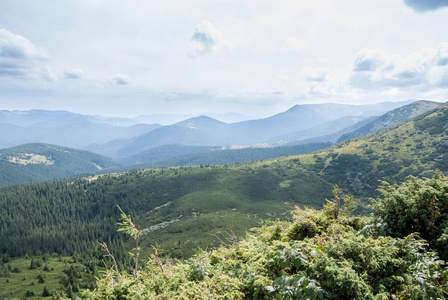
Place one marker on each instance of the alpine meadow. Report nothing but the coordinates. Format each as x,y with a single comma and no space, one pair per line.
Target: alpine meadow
223,150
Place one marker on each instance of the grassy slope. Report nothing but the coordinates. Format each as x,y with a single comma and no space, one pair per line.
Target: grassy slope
409,148
231,199
15,285
392,117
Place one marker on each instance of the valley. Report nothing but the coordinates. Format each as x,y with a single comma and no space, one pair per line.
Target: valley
199,200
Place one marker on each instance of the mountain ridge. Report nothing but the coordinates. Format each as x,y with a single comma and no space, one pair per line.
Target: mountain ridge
217,133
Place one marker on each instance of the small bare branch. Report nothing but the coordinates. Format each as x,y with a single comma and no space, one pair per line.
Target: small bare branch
106,249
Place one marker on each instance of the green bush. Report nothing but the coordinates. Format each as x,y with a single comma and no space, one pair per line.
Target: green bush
417,206
320,254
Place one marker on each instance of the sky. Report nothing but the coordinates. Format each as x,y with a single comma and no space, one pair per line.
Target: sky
253,57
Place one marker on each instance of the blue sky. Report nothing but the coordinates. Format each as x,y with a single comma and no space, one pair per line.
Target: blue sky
133,57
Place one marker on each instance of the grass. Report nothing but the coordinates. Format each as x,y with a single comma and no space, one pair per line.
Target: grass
21,280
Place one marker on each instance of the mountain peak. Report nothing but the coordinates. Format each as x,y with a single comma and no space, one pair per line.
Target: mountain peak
200,121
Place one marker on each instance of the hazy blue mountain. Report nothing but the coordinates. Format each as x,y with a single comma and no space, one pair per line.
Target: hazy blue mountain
304,117
327,128
206,131
198,131
75,135
168,119
62,128
107,136
41,118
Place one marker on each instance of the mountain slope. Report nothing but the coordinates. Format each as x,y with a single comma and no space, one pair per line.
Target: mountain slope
42,162
327,128
214,156
412,147
392,117
164,152
198,131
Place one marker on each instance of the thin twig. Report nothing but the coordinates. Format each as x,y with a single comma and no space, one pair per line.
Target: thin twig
105,248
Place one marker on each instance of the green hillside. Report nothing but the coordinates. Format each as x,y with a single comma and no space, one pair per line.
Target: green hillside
391,118
410,148
67,216
39,276
43,162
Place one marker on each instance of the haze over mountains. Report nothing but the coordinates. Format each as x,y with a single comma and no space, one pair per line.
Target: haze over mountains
79,131
62,128
287,126
38,137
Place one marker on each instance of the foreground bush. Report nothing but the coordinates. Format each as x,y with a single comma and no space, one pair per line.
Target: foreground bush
417,206
324,254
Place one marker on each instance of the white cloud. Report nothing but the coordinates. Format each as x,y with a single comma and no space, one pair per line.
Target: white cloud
47,75
442,54
19,58
368,60
205,39
314,74
74,74
426,5
13,46
373,69
120,79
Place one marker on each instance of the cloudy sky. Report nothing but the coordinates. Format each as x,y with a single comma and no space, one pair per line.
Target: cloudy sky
254,57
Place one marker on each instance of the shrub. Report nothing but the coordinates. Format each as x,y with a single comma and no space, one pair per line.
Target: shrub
418,205
29,294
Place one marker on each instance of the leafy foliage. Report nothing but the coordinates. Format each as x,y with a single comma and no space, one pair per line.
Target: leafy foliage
417,206
318,255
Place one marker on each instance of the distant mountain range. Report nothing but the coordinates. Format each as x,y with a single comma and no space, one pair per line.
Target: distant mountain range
298,123
199,140
123,137
62,128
